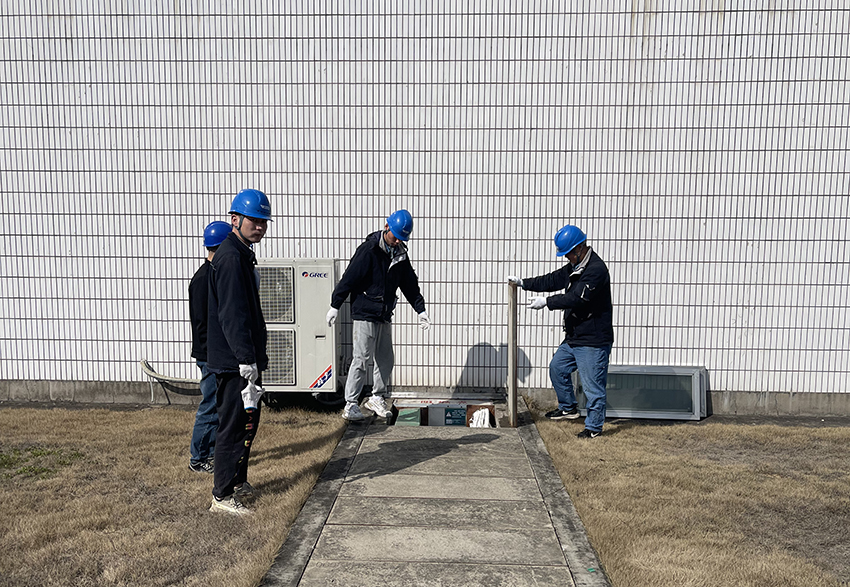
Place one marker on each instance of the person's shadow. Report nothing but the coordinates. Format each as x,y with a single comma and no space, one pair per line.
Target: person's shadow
398,455
486,368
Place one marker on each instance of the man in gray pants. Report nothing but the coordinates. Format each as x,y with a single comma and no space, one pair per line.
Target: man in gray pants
379,267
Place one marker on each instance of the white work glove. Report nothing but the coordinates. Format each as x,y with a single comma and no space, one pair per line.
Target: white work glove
481,419
537,303
249,372
424,321
515,279
331,317
251,395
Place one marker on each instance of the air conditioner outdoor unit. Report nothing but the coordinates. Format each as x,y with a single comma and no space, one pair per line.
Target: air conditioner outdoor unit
304,352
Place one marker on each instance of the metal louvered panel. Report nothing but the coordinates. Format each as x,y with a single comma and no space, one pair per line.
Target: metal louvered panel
677,393
281,350
700,149
276,294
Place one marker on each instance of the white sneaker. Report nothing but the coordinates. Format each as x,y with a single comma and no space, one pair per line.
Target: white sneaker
352,413
230,505
377,404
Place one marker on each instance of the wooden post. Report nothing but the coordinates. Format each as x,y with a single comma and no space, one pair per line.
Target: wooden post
512,356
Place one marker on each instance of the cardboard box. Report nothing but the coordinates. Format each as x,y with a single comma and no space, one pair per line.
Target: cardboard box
472,408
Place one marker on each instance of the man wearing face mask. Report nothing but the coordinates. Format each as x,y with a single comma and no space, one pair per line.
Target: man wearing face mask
379,268
588,324
236,348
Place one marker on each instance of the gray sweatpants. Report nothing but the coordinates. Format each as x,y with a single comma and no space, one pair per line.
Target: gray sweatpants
371,340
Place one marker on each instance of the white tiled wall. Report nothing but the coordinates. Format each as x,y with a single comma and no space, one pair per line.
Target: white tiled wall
702,146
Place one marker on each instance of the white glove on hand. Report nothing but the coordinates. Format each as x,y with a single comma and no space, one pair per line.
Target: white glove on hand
537,303
515,279
331,317
424,321
251,395
249,372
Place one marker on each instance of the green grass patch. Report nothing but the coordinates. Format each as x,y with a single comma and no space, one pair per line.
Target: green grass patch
35,461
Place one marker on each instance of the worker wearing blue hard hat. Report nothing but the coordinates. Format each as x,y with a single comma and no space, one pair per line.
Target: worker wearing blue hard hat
236,348
379,268
254,206
588,324
400,223
568,238
215,233
202,446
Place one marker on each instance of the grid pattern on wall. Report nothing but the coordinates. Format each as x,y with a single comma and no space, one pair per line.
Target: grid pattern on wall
704,151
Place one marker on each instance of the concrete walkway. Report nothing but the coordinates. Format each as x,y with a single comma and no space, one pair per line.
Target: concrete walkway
437,506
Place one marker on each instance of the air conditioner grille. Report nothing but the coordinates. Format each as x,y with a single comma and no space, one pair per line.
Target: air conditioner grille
281,351
276,299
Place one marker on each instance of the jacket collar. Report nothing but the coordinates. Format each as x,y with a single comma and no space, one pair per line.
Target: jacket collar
397,254
244,250
579,269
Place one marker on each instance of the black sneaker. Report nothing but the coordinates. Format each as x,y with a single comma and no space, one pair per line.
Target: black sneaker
202,467
587,434
563,414
244,490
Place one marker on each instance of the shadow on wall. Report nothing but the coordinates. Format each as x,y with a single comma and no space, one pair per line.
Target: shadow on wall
487,367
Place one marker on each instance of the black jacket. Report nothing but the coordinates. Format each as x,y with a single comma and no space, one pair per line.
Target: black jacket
373,279
198,311
236,329
588,312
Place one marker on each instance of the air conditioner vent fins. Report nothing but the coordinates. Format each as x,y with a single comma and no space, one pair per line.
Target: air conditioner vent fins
281,351
276,297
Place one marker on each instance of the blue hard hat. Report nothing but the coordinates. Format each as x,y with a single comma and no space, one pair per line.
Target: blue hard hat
401,224
215,233
251,203
568,238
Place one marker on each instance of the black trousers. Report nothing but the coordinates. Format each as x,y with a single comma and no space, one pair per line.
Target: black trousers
237,428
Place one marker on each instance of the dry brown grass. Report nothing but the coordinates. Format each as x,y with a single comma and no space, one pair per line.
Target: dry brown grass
686,504
99,497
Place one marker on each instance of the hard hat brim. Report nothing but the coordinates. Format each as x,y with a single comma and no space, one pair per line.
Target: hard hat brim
269,218
401,238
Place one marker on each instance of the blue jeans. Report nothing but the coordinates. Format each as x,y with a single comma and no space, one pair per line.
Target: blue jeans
206,420
592,365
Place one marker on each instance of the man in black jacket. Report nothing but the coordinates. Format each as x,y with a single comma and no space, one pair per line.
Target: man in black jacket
236,347
202,447
379,267
588,323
